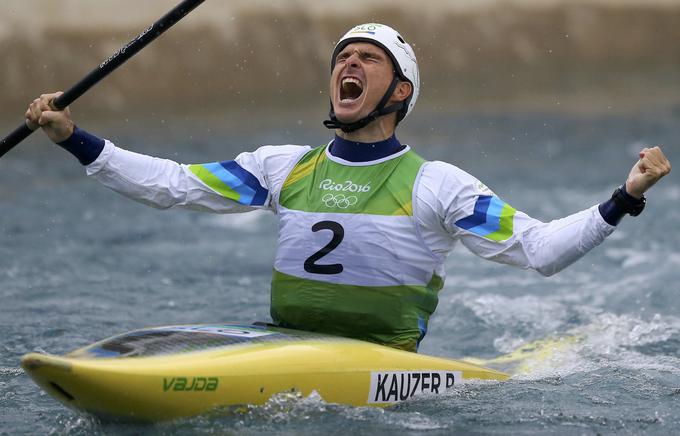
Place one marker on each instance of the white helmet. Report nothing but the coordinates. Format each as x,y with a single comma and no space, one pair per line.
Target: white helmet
401,53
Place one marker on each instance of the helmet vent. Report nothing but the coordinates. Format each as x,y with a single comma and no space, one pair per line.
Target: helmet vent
401,39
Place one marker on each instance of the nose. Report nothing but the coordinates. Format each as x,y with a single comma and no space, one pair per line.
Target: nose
353,59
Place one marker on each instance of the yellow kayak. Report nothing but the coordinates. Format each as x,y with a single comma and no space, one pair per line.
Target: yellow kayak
179,371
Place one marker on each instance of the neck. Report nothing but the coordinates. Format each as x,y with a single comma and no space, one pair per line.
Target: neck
378,130
355,151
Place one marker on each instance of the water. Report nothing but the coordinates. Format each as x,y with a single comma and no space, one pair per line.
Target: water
78,263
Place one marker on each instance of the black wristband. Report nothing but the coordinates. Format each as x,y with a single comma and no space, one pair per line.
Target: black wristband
620,204
83,145
626,202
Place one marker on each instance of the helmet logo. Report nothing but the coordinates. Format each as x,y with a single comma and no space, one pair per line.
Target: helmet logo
369,28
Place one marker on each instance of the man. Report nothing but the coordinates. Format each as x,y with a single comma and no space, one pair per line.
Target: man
364,223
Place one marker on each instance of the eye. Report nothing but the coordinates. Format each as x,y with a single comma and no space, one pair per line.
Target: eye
373,57
342,57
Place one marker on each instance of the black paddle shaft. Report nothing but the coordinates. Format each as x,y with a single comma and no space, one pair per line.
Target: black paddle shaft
105,68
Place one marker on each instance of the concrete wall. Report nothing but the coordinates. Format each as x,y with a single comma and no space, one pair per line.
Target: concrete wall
547,54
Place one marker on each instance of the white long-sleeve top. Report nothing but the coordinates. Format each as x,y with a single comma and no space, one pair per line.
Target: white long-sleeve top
446,206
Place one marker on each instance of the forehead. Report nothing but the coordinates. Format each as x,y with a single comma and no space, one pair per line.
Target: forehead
363,47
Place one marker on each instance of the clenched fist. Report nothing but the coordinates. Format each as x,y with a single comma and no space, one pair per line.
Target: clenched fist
651,167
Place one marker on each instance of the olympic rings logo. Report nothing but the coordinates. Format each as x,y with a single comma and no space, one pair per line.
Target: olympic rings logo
339,200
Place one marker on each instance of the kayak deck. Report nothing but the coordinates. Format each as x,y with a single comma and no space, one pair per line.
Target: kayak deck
180,371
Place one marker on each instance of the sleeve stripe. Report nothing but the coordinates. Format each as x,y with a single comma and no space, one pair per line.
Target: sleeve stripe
479,215
260,195
492,219
231,181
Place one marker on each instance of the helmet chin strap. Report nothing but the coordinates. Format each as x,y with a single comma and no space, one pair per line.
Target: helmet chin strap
380,110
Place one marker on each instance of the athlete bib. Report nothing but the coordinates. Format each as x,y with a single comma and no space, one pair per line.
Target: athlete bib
350,261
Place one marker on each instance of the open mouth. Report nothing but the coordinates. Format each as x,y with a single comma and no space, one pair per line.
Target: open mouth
350,89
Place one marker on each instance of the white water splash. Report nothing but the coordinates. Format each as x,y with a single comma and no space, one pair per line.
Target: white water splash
609,341
10,371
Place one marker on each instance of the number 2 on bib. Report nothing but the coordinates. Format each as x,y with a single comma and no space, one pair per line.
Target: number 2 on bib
338,234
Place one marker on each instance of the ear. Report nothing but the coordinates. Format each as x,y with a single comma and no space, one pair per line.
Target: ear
402,91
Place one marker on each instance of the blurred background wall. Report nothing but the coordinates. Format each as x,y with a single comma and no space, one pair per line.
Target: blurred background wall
574,55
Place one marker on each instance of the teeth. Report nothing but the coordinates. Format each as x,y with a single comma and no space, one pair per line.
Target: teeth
348,80
350,89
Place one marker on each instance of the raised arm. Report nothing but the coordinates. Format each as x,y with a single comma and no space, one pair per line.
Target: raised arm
489,227
240,185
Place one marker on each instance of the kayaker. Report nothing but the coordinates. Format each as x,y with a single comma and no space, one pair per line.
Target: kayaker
364,222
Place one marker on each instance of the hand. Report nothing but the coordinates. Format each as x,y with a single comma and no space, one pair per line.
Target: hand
58,125
651,167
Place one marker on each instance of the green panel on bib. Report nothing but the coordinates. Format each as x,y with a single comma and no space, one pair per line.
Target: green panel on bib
306,166
318,184
392,315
